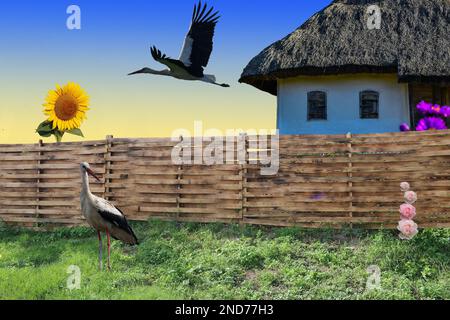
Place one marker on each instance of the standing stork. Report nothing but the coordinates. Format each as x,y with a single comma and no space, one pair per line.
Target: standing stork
103,216
196,51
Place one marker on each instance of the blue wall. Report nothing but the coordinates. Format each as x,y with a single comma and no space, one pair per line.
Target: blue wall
343,104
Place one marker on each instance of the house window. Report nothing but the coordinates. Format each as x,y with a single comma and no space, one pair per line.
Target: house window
368,104
317,105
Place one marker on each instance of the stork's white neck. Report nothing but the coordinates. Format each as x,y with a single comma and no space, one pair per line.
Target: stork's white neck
85,183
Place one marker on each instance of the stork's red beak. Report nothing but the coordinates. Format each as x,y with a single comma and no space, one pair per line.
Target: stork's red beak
89,171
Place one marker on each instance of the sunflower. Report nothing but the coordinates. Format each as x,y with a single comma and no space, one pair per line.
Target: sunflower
66,106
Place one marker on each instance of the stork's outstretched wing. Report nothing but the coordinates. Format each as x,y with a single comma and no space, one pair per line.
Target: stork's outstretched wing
198,43
175,66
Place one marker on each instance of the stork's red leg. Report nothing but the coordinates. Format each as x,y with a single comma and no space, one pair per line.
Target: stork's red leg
109,249
100,251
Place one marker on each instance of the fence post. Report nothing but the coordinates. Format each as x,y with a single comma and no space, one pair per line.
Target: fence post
179,186
38,181
243,142
350,176
107,183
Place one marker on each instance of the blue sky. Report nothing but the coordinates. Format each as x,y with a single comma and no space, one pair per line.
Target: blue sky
37,51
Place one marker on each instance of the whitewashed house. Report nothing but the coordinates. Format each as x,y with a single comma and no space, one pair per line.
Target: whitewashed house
353,67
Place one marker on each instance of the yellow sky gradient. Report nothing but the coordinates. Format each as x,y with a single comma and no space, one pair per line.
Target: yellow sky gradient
139,107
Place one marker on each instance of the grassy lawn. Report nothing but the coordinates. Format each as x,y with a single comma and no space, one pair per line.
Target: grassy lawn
195,261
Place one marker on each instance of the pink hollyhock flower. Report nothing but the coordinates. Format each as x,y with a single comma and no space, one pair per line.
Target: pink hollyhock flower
404,186
407,211
410,197
408,229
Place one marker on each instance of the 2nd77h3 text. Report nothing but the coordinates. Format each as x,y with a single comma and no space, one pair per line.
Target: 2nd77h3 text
226,310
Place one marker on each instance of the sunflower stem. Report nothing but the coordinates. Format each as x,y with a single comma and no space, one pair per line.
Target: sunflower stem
58,135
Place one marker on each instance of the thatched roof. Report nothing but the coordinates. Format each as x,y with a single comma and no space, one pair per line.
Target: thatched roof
414,41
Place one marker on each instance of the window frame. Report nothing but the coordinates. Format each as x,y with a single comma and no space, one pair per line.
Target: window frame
361,98
308,98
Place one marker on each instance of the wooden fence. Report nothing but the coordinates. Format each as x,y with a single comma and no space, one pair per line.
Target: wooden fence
335,181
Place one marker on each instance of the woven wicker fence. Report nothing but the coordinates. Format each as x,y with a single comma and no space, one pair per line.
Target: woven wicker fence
323,181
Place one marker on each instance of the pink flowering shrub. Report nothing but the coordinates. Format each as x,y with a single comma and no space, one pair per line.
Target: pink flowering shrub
407,211
408,229
410,197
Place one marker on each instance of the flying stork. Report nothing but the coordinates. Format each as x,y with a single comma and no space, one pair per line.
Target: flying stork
195,53
103,216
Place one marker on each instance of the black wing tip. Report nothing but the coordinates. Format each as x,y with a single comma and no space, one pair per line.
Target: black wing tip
136,241
153,51
199,15
157,54
130,231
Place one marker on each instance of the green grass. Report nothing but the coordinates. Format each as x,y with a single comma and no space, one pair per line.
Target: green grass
195,261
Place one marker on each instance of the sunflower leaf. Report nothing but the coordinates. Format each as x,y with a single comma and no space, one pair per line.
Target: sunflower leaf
76,132
45,134
45,127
